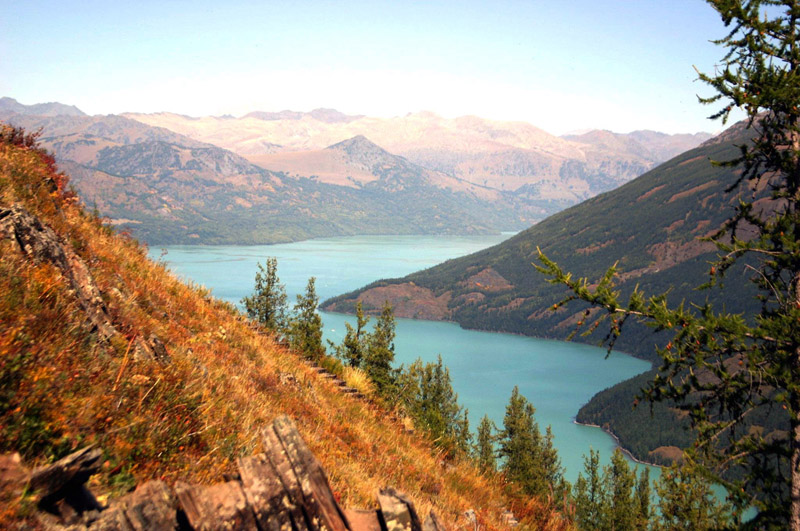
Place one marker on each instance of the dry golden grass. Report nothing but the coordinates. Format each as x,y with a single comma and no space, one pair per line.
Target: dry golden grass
358,379
63,387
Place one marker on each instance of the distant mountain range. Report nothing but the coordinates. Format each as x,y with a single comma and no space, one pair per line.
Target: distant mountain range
167,188
39,109
507,156
272,177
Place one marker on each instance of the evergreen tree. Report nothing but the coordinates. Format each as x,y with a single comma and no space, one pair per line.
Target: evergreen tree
642,499
620,481
686,501
463,437
356,341
589,494
519,445
552,465
305,329
725,369
433,404
377,362
267,305
484,449
524,450
612,499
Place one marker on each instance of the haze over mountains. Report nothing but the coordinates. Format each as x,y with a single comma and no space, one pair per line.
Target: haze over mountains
508,156
272,177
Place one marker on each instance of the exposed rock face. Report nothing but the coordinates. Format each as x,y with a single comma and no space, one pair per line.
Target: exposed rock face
398,511
672,453
41,244
407,300
70,472
488,280
283,489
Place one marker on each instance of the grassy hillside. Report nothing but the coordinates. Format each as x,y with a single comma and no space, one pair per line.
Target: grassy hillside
650,225
81,327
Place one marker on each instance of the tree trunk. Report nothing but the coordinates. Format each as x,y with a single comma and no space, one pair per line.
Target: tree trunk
795,458
794,405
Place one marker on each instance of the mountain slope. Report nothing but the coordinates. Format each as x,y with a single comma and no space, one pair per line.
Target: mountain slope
650,145
651,225
99,345
358,162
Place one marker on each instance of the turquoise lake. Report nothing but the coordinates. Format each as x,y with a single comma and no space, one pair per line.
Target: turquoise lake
557,377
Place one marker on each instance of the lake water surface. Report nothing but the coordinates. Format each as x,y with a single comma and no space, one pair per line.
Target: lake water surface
557,377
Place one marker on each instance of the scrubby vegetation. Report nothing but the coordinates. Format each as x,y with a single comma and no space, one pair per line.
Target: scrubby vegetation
64,383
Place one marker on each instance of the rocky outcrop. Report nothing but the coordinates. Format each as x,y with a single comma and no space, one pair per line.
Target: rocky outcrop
487,280
282,489
407,300
40,244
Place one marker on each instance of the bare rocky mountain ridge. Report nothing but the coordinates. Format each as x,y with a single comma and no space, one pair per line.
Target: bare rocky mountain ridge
39,109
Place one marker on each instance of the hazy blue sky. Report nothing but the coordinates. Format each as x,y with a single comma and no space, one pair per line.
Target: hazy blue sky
559,64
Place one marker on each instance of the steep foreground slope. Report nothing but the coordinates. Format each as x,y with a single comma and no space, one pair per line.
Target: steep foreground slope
99,345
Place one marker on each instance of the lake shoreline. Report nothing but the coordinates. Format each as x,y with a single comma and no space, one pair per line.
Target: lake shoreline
488,331
619,444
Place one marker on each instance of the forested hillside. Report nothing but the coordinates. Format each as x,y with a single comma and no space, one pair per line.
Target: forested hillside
652,225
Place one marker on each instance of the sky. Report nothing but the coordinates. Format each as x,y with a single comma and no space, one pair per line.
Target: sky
562,65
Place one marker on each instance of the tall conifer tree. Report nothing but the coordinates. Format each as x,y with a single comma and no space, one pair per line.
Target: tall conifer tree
589,494
356,340
528,458
380,351
620,483
726,369
686,501
267,304
305,330
642,497
484,449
